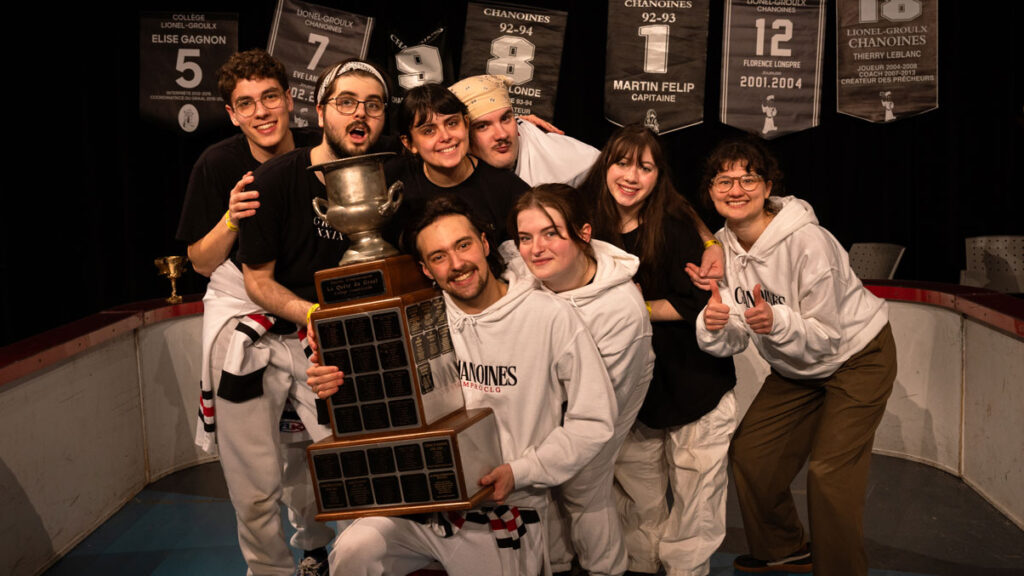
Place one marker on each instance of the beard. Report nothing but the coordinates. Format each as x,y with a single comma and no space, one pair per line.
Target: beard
341,147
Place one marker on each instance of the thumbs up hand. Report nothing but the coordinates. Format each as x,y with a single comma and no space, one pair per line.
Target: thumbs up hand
716,314
760,317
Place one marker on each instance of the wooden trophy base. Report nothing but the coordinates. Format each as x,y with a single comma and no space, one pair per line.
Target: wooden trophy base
391,340
429,470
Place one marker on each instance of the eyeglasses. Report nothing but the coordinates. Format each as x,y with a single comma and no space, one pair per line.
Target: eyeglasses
748,182
246,107
347,105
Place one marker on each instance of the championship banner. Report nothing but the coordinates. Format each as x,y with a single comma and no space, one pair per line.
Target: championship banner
771,65
307,38
179,54
655,60
521,42
418,58
888,58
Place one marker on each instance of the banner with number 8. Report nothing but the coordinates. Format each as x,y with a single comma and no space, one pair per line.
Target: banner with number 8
521,42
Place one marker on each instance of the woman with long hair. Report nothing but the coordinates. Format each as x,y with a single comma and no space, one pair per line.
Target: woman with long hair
682,433
551,237
789,290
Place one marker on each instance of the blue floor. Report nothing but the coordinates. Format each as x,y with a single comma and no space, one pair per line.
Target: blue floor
184,525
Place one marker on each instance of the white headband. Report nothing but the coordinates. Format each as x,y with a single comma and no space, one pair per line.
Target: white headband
341,69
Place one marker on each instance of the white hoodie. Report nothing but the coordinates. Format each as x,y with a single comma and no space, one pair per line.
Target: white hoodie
823,315
613,309
521,357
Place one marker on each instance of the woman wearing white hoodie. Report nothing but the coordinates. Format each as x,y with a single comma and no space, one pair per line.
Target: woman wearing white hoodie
551,238
790,290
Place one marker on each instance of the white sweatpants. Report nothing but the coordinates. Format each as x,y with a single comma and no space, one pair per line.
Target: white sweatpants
693,458
378,545
259,471
592,528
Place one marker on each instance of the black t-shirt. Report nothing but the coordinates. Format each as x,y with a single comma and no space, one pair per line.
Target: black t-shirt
688,382
209,186
490,193
285,229
213,176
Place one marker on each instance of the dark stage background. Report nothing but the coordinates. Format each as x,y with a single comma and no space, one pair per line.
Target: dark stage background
102,190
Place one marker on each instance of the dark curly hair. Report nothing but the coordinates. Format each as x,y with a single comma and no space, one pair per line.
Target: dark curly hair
252,64
751,153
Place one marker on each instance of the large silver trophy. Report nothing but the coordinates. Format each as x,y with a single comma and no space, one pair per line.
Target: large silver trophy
403,442
359,203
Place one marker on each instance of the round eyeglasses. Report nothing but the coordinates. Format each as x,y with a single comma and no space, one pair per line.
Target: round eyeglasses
347,105
747,182
246,107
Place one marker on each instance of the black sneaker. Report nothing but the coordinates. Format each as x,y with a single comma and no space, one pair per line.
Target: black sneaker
798,562
312,567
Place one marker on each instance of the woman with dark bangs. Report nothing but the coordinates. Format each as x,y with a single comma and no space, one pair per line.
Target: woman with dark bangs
683,430
432,125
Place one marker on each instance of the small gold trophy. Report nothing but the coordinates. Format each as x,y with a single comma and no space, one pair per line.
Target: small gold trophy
172,267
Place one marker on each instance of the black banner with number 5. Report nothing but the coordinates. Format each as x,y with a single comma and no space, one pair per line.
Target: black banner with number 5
771,65
307,38
179,54
655,61
522,42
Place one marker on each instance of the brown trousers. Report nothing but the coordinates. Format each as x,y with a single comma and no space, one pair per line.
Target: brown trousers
832,420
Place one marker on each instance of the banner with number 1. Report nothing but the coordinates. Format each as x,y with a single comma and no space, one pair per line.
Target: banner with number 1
771,65
307,38
521,42
655,60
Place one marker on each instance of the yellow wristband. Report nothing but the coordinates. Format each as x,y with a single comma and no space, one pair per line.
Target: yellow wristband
312,309
227,220
650,313
710,243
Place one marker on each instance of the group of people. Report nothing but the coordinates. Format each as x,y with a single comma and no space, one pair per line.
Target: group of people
586,274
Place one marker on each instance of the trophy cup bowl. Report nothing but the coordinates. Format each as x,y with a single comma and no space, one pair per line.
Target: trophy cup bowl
359,204
172,267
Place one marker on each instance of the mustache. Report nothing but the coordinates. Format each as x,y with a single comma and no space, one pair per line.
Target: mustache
461,271
357,124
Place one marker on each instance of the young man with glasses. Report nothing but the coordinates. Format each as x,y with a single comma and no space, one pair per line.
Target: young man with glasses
254,87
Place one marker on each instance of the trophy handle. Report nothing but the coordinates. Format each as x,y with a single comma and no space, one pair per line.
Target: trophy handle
394,200
320,207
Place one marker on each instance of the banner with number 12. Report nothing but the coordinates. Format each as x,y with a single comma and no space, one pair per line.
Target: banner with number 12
771,65
307,38
655,61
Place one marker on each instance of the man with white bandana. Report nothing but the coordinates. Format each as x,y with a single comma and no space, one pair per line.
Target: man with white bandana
280,247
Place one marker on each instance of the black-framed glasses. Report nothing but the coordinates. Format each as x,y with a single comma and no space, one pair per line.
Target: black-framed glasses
247,106
748,182
347,105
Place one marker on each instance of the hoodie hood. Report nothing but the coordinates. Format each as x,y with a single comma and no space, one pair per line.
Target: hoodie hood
791,214
614,266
